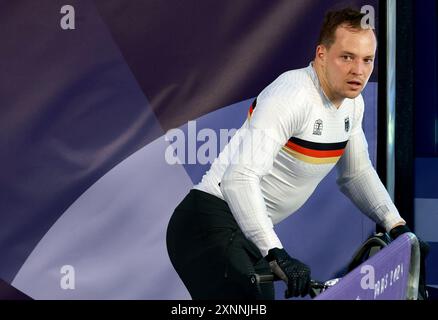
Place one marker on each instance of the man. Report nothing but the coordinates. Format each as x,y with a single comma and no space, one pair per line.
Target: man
299,127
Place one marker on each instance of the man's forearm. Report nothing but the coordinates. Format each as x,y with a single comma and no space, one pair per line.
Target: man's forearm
246,202
367,192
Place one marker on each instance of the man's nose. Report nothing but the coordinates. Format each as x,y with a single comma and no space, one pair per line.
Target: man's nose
357,68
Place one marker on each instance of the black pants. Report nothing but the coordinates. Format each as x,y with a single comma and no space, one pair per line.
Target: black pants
210,253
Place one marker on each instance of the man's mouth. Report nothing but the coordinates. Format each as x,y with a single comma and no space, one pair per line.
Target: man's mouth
355,83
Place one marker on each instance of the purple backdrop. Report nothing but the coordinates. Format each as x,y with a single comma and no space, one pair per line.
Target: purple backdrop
83,180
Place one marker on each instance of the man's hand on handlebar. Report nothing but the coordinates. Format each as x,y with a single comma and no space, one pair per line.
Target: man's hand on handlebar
295,273
401,229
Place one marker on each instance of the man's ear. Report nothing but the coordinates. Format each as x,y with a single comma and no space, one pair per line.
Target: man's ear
321,52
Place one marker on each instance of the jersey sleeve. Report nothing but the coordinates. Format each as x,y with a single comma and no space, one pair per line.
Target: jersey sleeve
273,122
358,180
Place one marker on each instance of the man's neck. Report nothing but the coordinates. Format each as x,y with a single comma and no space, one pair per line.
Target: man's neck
324,85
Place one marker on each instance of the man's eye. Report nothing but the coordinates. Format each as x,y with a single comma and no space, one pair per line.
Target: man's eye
347,58
369,60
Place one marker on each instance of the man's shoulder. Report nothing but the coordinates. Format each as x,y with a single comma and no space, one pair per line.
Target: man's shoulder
359,103
298,79
290,84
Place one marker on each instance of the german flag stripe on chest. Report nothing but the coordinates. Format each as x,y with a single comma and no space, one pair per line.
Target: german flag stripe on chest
308,151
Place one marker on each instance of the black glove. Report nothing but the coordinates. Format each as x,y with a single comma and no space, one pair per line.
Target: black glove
424,252
399,230
295,273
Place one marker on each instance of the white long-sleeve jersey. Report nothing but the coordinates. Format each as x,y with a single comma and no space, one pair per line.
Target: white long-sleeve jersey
292,138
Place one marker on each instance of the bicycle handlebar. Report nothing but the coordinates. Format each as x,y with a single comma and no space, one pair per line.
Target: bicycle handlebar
267,278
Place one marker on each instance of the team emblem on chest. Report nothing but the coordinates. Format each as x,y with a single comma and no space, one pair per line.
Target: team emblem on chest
347,124
317,127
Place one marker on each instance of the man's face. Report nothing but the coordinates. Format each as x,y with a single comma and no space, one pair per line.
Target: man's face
349,62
